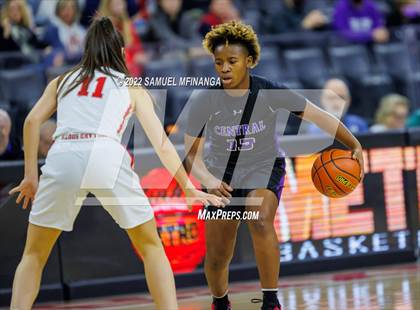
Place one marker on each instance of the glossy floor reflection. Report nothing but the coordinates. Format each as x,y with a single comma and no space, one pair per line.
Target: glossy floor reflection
394,287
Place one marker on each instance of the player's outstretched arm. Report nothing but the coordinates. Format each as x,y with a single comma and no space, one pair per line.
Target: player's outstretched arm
144,109
42,111
335,128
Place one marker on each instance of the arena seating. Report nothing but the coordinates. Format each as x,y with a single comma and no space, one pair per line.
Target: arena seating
308,65
297,61
367,82
170,66
24,85
396,60
202,66
269,65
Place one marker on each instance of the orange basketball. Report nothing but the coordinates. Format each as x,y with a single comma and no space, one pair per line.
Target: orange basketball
335,173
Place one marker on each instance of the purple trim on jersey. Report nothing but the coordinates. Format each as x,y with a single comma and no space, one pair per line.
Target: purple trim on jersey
280,187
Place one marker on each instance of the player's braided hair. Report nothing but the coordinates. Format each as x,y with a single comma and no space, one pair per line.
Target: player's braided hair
233,32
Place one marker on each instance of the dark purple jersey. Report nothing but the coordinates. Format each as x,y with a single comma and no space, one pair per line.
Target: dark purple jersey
219,117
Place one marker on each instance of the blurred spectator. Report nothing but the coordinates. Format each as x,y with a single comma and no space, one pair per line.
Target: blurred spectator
336,99
391,114
134,53
403,12
46,137
91,7
410,10
141,20
414,119
294,16
5,128
220,11
16,34
172,27
46,11
65,34
10,146
360,21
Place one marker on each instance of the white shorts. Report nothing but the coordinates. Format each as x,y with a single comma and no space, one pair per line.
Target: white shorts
100,166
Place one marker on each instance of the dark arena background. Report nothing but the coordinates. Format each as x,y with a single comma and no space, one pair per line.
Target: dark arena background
368,241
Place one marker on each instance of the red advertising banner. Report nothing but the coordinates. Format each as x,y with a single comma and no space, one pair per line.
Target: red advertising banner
181,232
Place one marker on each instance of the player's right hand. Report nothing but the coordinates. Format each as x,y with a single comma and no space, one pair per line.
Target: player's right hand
196,196
357,154
27,190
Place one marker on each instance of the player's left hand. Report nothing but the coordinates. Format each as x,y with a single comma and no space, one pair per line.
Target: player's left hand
357,154
26,189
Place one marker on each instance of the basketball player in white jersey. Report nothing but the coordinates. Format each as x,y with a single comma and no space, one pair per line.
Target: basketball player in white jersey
92,111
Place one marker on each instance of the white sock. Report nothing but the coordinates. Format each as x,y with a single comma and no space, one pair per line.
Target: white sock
270,289
222,295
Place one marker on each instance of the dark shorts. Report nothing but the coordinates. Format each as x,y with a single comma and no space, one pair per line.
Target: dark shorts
261,175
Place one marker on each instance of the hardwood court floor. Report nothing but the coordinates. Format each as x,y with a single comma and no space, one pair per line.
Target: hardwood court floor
395,287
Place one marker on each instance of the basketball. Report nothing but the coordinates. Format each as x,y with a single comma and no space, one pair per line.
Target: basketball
335,173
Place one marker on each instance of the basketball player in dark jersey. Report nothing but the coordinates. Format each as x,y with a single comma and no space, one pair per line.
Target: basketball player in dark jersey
238,122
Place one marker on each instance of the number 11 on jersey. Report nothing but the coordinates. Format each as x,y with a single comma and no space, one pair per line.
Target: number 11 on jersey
100,82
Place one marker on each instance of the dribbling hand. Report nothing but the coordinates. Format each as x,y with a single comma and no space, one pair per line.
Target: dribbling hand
26,189
357,154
